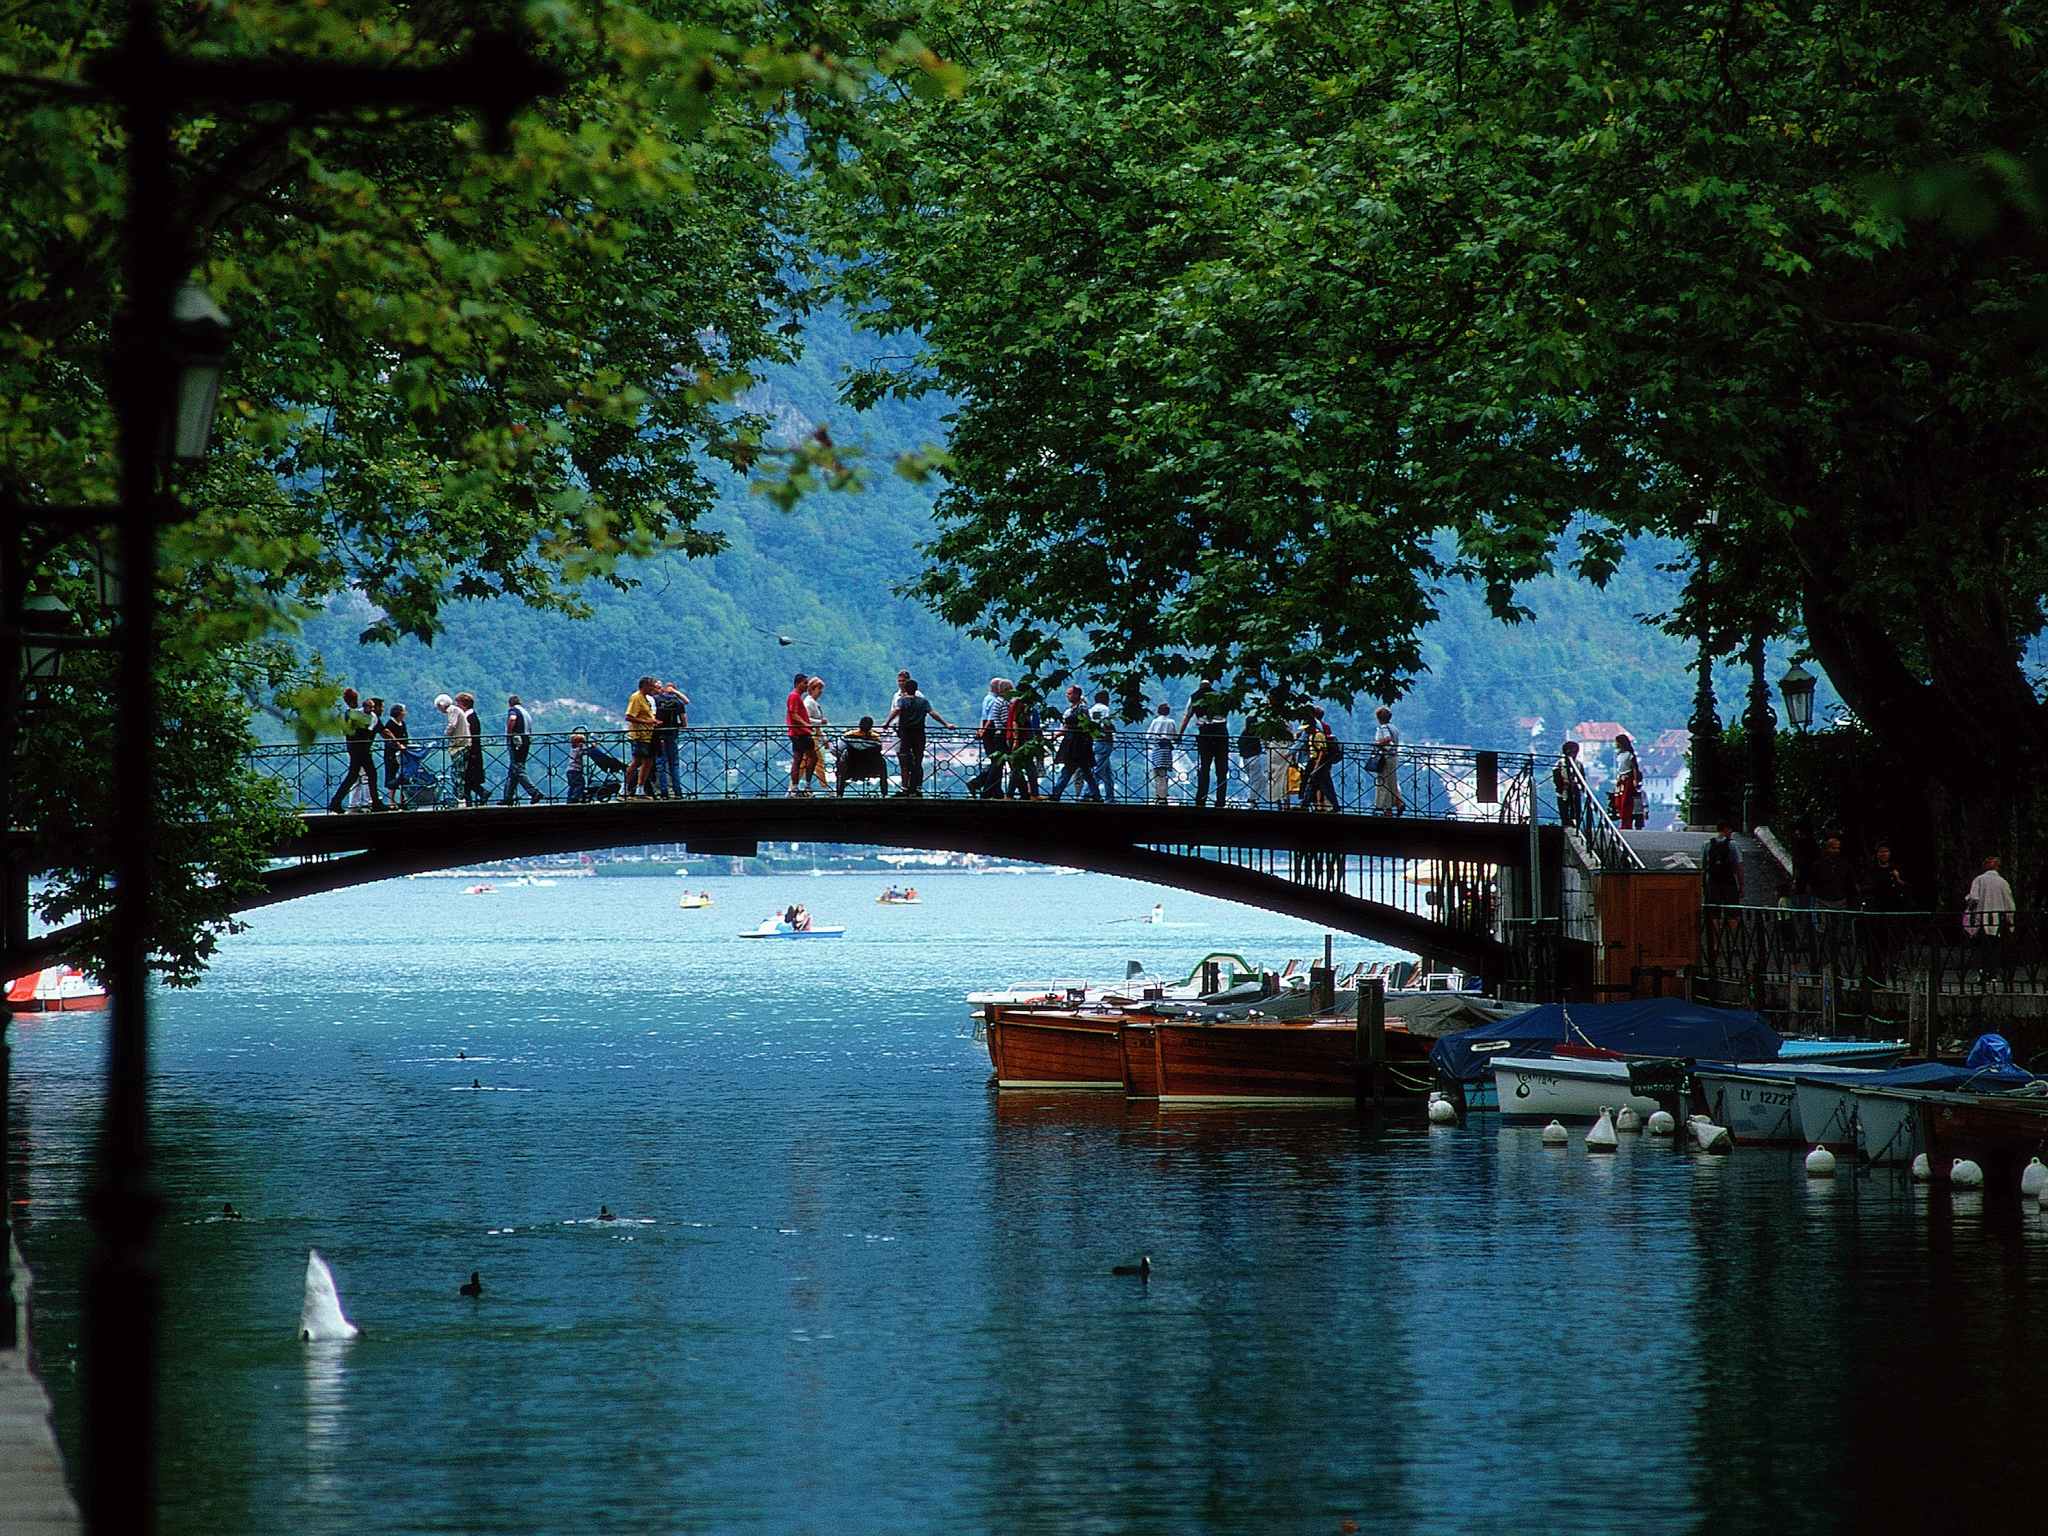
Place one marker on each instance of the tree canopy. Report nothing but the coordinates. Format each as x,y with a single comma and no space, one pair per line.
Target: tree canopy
1248,309
454,374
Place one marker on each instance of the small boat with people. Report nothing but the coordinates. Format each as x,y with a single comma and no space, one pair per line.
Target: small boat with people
479,890
698,902
792,922
56,989
905,897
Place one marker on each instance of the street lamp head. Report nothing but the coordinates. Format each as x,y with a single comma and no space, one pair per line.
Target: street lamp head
199,348
1797,686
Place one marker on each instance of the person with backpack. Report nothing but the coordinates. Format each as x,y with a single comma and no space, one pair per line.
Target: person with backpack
671,716
518,743
1566,778
1723,869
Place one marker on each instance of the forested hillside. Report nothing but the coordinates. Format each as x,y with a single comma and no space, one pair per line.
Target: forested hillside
823,575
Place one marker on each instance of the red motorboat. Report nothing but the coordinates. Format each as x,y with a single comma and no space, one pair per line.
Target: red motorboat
56,989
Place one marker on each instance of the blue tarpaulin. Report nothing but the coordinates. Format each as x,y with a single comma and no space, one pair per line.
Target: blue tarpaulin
1664,1026
1946,1078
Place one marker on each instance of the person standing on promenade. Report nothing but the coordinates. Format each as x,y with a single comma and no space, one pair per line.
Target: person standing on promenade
1630,810
395,737
908,715
1212,739
1830,880
1884,884
1159,739
1076,752
640,737
358,732
1566,779
1386,749
1102,723
473,789
814,712
796,722
1989,911
1318,757
1723,868
518,744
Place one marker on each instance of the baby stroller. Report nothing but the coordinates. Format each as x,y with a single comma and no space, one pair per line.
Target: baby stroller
602,778
417,783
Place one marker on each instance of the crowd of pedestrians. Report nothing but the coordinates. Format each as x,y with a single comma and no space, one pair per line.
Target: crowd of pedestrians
1017,746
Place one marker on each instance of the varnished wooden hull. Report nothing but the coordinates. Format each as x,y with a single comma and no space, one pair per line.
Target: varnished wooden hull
1999,1135
1031,1048
1140,1041
1255,1063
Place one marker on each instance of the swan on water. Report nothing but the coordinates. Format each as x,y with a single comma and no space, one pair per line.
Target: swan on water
1965,1174
2034,1179
1554,1134
1626,1119
1922,1170
320,1319
1602,1138
1660,1123
1820,1164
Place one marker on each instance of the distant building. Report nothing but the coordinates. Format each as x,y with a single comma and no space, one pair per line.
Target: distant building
1596,746
1665,773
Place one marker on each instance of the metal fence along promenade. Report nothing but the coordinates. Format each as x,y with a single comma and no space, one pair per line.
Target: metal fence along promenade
1437,783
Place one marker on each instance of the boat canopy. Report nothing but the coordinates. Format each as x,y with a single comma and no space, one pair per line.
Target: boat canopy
1945,1078
1660,1026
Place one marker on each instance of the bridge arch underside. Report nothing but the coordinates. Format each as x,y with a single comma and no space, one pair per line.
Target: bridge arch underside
1152,844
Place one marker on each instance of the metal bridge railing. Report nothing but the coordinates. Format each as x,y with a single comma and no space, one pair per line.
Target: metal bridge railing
748,762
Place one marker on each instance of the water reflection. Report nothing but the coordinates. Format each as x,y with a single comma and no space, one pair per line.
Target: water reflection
327,1413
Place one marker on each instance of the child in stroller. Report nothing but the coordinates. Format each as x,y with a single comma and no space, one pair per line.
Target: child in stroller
586,759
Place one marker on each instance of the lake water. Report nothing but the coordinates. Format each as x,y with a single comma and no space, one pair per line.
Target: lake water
853,1289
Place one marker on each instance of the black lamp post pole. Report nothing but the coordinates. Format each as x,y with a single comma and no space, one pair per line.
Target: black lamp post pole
1707,786
1760,733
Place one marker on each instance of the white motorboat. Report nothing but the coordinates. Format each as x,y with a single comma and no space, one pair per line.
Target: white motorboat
1827,1110
1759,1102
776,928
1564,1087
1887,1125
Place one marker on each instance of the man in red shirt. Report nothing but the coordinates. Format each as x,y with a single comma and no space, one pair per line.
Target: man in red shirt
797,719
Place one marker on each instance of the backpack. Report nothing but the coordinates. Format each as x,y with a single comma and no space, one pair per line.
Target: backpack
1720,861
1333,749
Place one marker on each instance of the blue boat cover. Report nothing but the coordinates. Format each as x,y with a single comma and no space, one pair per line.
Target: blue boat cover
1662,1026
1988,1051
1945,1077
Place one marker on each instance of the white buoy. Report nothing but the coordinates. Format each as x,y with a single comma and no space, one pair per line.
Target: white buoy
2034,1178
1709,1137
1820,1164
1922,1172
1965,1174
1554,1134
1602,1138
1660,1123
2043,1197
1442,1112
1626,1119
320,1319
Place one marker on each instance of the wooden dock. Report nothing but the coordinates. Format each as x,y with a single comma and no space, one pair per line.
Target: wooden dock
34,1500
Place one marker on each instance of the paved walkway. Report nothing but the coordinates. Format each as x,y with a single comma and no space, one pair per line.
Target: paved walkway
1762,880
33,1498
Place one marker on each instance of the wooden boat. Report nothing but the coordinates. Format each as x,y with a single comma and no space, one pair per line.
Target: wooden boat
1998,1131
1250,1061
56,989
1054,1047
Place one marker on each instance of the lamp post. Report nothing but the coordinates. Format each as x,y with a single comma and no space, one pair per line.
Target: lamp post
1760,733
1797,686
